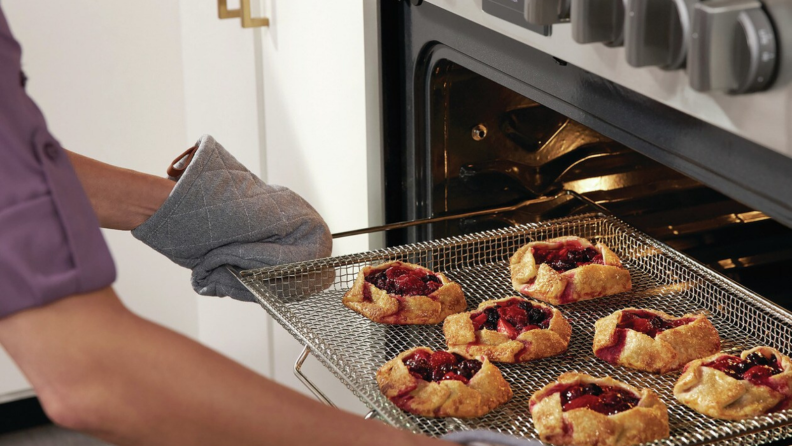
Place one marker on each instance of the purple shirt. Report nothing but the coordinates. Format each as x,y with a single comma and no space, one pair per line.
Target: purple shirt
50,243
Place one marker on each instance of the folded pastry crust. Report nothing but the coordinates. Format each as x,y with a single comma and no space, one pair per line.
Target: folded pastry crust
589,281
716,394
669,350
647,421
379,306
485,391
462,337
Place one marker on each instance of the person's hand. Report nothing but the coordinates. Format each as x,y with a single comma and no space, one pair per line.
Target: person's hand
488,438
221,214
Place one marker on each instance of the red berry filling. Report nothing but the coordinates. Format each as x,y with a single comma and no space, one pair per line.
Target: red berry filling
641,321
512,317
567,257
402,281
755,368
608,400
441,365
648,323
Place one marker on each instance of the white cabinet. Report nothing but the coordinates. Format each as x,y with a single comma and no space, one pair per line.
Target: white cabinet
322,129
135,83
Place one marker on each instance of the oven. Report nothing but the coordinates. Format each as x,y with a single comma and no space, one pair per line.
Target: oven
491,104
553,113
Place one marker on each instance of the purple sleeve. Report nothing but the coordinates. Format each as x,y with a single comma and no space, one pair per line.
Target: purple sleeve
50,243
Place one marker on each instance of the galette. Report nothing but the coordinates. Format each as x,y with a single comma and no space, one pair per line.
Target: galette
729,387
653,341
511,329
567,269
442,384
581,410
404,293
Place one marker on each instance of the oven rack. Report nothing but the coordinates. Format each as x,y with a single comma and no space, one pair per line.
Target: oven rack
305,298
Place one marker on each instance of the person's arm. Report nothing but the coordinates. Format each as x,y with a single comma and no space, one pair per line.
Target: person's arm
102,370
122,198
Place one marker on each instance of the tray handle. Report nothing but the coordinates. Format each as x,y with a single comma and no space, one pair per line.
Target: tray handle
307,382
312,387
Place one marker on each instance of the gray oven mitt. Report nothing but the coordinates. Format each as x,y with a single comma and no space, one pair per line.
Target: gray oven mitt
488,438
221,214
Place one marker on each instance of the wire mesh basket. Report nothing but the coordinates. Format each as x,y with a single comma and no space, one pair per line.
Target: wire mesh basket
305,298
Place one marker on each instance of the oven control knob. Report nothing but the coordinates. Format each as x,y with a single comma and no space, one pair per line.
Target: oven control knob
657,32
733,47
598,21
546,12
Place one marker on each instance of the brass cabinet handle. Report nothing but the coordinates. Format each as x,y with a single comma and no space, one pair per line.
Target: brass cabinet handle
243,13
224,13
247,20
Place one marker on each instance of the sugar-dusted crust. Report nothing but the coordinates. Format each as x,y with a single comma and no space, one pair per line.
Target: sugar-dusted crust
584,427
486,390
462,338
584,282
713,393
404,310
668,351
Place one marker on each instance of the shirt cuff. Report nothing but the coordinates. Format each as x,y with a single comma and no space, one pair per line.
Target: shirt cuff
51,246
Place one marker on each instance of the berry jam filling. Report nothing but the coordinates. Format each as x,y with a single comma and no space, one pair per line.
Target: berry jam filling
754,368
405,282
512,317
567,258
649,323
606,400
641,321
440,365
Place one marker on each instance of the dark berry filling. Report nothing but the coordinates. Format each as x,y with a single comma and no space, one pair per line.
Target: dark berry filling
755,368
649,323
405,282
606,400
567,258
512,317
441,365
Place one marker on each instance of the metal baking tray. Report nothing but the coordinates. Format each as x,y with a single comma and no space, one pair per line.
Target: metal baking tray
305,298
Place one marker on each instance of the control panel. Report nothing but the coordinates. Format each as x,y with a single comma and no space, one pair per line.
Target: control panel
724,45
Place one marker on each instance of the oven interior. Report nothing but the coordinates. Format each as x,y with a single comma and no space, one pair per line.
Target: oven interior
491,147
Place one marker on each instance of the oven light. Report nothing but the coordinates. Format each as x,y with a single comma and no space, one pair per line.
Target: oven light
605,182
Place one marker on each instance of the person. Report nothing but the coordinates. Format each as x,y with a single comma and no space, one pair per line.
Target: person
97,367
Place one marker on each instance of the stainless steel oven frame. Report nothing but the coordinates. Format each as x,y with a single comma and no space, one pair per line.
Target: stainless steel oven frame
415,39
